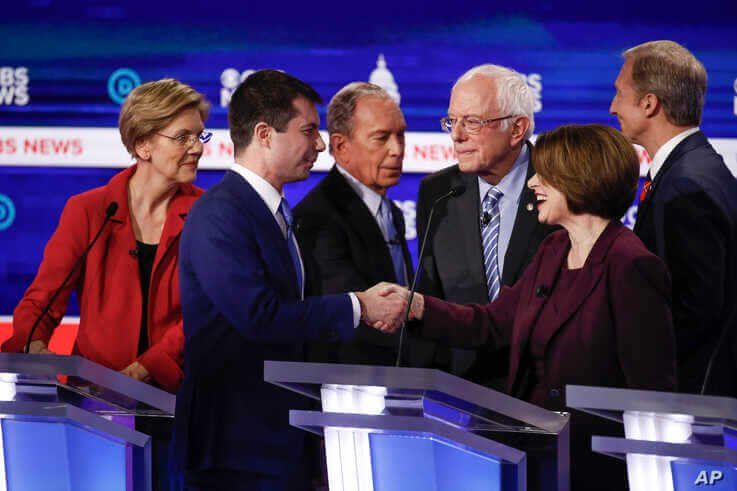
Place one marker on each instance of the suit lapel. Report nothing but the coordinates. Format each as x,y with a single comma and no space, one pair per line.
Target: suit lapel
589,277
525,224
533,304
267,226
463,222
175,217
696,140
358,218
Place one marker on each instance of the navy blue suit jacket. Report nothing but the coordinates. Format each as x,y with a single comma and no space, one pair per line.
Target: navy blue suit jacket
689,219
240,307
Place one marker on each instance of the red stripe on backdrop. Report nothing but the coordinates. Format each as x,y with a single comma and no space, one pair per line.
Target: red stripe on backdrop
61,342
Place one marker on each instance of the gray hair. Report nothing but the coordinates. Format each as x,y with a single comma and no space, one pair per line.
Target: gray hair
513,95
674,75
343,105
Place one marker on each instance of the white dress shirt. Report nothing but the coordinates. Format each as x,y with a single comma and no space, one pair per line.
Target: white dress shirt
370,198
511,186
272,198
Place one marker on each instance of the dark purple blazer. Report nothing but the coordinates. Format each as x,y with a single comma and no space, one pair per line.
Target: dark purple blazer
615,328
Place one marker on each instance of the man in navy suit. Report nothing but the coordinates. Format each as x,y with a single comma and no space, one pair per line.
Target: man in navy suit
688,208
242,283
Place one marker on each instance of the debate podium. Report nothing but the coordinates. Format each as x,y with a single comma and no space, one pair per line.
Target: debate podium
388,429
67,423
673,442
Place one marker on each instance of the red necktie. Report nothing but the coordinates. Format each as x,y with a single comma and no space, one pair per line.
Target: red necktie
645,188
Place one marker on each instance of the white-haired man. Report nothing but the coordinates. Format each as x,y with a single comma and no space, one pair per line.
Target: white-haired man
484,238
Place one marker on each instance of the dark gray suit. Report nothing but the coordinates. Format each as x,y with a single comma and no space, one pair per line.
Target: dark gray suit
344,250
453,266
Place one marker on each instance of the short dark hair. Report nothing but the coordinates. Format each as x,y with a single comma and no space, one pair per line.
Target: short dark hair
265,96
593,165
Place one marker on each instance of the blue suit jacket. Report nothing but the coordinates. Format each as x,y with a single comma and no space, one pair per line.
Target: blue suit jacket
241,307
689,219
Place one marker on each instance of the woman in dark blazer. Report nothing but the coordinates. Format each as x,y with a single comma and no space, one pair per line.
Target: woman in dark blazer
593,307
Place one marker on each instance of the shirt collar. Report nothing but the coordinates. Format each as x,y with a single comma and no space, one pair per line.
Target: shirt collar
266,191
665,150
510,183
370,198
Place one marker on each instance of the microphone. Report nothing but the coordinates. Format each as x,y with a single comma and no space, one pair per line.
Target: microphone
109,212
134,252
485,218
720,342
542,291
452,193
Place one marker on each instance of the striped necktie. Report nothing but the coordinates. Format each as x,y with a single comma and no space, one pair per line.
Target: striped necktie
490,240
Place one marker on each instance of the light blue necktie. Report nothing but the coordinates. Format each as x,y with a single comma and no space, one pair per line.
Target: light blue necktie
286,213
393,242
490,240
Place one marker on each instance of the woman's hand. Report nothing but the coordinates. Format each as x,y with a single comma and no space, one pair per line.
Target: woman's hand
416,312
38,347
418,306
137,371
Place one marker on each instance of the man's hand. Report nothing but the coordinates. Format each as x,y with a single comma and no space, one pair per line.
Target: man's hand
383,306
137,371
38,347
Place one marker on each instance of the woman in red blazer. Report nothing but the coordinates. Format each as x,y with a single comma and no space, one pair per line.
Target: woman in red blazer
592,308
128,289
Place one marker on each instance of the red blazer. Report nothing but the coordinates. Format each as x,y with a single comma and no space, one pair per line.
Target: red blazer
616,329
109,286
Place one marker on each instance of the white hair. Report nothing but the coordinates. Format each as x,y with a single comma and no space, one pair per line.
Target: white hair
513,95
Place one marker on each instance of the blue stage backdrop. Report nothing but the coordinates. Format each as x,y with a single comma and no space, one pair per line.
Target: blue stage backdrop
65,68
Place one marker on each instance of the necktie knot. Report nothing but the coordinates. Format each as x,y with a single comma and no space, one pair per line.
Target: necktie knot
493,195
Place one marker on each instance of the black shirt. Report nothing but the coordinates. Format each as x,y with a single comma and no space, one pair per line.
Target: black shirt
146,255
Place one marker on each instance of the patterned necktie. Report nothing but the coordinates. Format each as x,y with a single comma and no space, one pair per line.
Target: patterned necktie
646,188
395,245
286,213
490,240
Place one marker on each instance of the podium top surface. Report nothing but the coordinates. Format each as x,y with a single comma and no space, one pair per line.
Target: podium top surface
611,403
81,382
407,386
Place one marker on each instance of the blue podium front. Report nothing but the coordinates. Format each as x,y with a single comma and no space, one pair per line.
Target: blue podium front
69,424
388,429
673,442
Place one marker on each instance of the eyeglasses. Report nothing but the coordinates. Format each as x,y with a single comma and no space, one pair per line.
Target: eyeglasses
188,139
468,123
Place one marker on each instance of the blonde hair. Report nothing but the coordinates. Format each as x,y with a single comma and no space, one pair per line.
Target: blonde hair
153,105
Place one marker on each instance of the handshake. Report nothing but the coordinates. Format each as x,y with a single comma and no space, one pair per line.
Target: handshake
384,306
